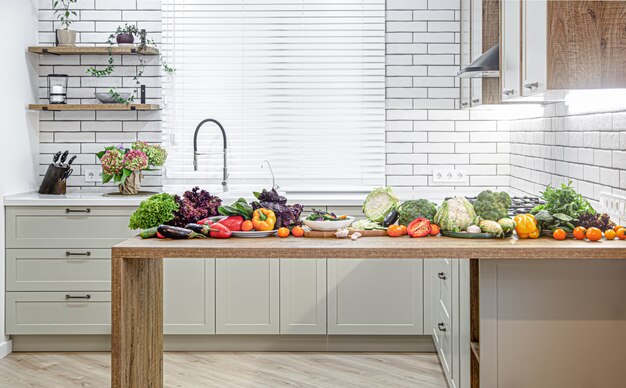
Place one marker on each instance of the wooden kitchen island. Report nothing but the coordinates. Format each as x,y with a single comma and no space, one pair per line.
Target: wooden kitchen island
514,288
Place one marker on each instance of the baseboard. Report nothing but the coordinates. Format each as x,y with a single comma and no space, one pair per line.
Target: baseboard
6,348
236,343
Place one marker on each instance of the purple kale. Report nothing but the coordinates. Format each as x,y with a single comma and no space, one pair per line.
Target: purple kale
195,204
286,215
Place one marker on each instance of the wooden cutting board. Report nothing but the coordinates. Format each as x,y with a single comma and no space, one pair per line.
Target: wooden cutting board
364,233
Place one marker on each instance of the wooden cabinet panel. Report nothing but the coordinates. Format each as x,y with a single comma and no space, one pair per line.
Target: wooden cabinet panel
303,296
586,44
247,296
375,296
189,296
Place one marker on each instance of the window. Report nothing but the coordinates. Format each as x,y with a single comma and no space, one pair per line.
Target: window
299,83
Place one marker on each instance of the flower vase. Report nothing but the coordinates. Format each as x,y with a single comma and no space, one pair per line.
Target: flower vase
131,184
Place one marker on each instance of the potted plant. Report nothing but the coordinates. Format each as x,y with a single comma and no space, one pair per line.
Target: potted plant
124,165
65,36
120,37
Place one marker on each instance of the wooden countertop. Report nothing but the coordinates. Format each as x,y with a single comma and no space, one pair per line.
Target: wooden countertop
372,247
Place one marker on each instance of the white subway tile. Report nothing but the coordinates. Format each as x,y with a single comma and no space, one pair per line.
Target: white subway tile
406,4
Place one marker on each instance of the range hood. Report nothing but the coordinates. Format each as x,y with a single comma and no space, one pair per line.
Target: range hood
486,65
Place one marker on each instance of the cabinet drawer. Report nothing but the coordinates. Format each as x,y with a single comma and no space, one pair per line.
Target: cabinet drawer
444,283
442,333
67,227
58,269
58,312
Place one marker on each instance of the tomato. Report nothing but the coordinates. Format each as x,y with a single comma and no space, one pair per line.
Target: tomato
246,226
404,230
297,231
283,232
394,231
594,234
559,234
610,234
621,233
617,227
419,227
434,230
579,233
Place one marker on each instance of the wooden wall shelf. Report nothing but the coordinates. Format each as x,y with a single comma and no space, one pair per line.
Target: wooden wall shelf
100,107
91,50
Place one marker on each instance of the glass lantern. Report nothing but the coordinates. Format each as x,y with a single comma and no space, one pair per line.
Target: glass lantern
57,88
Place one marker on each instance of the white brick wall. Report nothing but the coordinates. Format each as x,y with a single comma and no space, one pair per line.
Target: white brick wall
85,133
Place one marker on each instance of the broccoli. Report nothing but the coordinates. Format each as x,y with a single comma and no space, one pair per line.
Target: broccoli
413,209
492,206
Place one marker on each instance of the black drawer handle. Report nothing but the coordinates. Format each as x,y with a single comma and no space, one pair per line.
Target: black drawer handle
442,275
68,210
442,327
68,253
68,296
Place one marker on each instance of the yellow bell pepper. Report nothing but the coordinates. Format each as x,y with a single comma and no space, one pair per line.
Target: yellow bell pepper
263,219
526,226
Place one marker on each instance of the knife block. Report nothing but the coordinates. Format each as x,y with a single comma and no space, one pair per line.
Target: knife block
52,182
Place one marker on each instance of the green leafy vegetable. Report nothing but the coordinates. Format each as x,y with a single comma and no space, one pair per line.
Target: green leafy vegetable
367,225
564,205
240,208
379,203
491,205
153,211
413,209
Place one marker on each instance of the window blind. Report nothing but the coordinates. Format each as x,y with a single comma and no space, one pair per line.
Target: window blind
299,83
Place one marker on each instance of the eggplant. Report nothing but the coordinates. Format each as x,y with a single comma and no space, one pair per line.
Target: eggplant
148,233
202,229
391,218
174,232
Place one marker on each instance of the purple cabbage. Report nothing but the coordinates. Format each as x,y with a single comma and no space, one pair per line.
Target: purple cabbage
194,205
286,215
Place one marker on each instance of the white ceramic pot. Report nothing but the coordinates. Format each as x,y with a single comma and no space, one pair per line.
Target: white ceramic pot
66,37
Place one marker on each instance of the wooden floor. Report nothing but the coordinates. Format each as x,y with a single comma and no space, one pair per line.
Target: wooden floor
189,370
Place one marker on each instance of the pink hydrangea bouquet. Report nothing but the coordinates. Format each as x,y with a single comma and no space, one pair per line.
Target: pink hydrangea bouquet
124,165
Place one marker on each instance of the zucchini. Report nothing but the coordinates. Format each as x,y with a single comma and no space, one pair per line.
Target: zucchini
174,232
148,233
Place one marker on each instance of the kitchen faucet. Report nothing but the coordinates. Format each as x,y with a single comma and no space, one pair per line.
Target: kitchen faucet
274,185
196,153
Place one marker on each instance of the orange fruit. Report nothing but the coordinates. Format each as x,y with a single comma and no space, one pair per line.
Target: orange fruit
609,234
394,231
283,232
594,234
617,227
559,234
579,233
246,226
297,231
434,230
621,233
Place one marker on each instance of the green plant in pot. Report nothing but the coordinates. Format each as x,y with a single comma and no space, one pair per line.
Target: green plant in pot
63,12
126,35
124,165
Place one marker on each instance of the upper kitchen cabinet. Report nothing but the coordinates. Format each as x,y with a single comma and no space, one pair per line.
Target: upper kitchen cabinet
510,49
466,56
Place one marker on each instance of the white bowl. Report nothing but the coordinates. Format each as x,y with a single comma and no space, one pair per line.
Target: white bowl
107,98
329,226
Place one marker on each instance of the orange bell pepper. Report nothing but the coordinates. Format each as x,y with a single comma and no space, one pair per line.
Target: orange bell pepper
526,226
263,219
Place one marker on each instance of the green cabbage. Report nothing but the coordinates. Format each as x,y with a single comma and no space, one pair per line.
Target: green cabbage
379,203
455,215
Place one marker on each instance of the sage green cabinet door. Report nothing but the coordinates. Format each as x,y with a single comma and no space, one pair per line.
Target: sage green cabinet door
58,313
189,296
247,296
375,296
58,270
67,227
302,296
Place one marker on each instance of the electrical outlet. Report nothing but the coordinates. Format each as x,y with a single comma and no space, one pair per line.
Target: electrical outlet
614,205
445,177
93,174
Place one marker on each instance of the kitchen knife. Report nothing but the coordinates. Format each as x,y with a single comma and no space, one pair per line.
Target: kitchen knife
56,157
67,174
69,163
64,156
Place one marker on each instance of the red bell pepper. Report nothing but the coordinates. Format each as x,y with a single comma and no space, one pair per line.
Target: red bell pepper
220,231
419,227
205,221
232,222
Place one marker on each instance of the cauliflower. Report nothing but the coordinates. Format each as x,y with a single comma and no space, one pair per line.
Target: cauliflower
455,215
413,209
492,205
491,227
508,225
